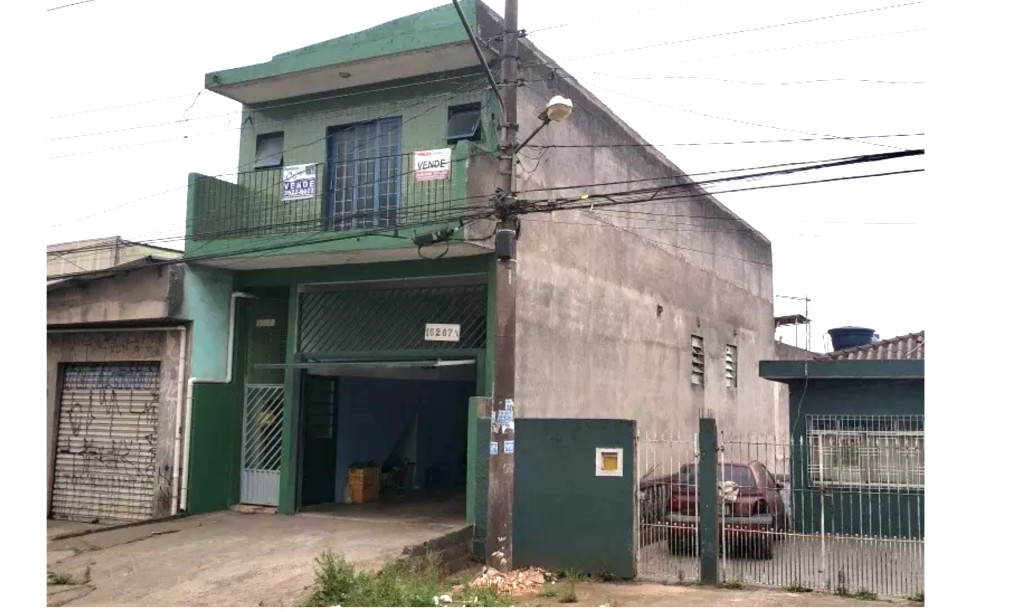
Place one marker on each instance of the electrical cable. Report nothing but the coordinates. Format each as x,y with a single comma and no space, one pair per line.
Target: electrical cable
746,31
55,8
733,142
324,138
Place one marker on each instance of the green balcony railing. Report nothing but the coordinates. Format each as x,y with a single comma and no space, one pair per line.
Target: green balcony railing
367,193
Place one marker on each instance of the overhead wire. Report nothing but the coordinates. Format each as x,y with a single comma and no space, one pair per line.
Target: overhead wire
444,98
747,30
704,144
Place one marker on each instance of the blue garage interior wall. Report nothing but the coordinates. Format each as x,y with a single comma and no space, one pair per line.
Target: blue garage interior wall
565,516
374,414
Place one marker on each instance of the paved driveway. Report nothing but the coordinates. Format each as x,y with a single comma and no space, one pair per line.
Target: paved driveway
224,558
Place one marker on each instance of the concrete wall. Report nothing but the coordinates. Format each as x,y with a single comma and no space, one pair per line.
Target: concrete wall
591,342
146,294
207,302
108,346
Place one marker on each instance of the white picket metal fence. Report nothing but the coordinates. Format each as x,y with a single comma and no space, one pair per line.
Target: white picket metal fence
261,444
840,509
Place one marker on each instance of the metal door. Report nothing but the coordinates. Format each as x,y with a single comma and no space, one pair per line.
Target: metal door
105,464
262,425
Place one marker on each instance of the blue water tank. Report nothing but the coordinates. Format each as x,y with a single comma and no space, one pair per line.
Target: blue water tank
850,336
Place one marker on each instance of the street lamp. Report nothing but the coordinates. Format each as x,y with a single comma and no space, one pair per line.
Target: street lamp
558,110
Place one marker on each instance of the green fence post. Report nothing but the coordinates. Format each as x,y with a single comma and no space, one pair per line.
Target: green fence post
707,501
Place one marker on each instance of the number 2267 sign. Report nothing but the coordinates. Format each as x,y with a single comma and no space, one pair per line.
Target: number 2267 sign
442,332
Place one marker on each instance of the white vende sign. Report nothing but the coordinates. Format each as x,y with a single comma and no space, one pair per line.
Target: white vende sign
299,182
432,165
442,332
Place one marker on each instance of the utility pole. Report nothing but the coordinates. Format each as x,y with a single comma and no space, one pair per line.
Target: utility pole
501,472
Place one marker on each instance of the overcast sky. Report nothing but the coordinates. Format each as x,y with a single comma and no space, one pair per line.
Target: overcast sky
712,71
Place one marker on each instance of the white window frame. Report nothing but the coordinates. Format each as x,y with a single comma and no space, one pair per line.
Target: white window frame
864,451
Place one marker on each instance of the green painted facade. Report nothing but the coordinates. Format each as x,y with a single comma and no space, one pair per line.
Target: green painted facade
244,215
565,516
431,28
850,389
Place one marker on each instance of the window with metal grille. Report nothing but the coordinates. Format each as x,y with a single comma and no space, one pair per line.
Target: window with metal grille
697,361
270,150
878,452
463,123
365,163
730,366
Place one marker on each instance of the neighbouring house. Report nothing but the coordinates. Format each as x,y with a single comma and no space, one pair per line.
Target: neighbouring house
117,361
857,425
80,256
324,336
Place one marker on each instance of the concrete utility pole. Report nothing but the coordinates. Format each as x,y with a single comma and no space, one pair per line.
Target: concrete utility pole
501,472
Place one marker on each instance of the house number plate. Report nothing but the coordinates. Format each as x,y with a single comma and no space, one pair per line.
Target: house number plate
442,332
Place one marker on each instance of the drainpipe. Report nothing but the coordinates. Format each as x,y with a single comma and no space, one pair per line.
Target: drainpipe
230,361
175,476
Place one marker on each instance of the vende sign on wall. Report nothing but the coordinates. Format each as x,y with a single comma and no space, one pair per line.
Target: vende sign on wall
432,165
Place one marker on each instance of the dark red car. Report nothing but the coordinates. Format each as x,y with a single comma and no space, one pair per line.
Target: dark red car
752,515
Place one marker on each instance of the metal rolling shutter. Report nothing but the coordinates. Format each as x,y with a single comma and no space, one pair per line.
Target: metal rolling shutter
106,442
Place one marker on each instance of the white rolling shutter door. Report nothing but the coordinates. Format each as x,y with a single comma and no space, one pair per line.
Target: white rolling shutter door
106,442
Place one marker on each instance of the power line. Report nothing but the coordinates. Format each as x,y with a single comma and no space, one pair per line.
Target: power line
748,30
444,98
733,142
775,170
55,8
261,108
760,83
751,123
119,106
146,144
613,16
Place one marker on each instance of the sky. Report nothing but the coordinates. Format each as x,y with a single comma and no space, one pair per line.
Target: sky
128,120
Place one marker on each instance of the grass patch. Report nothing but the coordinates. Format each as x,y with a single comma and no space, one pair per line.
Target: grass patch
917,597
735,586
337,583
59,578
569,595
865,595
798,588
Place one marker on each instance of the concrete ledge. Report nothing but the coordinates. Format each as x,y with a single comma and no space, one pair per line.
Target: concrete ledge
452,551
247,509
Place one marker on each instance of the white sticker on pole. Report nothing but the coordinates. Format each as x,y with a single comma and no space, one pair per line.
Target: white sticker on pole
298,182
432,165
443,332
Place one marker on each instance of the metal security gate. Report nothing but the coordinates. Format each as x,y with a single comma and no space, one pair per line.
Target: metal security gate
105,461
261,444
840,510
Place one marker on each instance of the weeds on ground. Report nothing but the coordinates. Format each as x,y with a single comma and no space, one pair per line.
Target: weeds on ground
865,595
798,588
59,578
917,597
736,586
337,583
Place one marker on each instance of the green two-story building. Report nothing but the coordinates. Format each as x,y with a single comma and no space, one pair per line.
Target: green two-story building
325,337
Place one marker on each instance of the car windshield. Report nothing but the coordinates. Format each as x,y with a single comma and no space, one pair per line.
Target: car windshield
740,474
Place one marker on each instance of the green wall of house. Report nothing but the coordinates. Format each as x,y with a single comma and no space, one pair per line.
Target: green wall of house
430,28
896,512
217,408
566,516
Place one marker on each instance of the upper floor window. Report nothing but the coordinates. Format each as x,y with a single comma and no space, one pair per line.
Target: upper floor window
365,170
463,123
270,150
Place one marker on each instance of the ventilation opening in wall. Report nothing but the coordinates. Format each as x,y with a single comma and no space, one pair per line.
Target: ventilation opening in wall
697,361
730,367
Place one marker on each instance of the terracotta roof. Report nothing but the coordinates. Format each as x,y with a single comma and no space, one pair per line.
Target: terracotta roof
910,346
